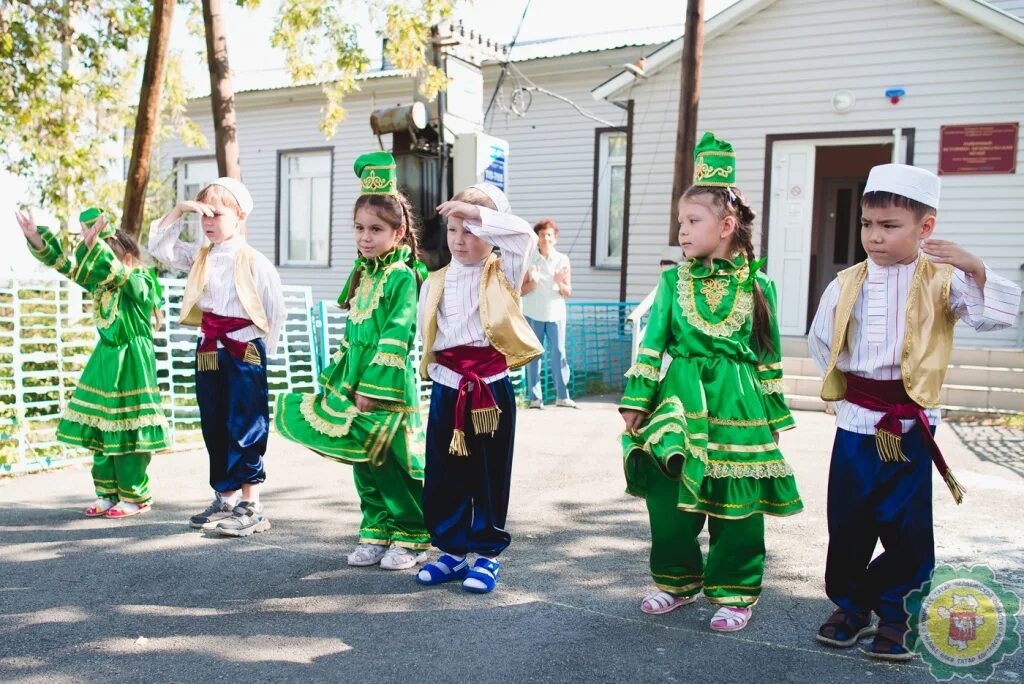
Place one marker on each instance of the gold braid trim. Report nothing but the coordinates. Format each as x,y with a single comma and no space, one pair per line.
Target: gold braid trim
340,429
642,370
642,351
742,307
104,309
737,423
388,359
393,342
369,292
773,386
112,395
116,425
760,471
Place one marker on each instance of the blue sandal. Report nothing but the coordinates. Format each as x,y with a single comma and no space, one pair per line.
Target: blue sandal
445,569
484,571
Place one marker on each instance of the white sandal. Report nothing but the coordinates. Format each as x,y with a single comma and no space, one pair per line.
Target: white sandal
366,554
730,619
661,602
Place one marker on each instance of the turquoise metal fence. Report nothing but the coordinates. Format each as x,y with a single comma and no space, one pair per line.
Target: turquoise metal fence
598,346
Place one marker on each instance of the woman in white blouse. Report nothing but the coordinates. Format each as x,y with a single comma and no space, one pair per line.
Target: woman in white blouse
547,285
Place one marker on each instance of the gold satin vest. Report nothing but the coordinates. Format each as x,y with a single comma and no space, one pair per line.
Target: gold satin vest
927,342
503,320
245,285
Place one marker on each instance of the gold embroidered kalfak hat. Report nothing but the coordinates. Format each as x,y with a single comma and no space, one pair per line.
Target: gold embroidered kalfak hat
714,162
376,171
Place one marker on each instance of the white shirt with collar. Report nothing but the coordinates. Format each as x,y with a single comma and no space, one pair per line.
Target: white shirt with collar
219,294
545,302
878,323
458,314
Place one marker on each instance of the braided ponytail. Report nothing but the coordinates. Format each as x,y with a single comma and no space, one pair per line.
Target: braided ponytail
730,202
411,238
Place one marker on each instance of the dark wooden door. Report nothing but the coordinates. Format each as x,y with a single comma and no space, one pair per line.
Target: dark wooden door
839,246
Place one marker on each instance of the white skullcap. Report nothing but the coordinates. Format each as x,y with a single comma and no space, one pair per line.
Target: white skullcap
909,181
237,190
495,194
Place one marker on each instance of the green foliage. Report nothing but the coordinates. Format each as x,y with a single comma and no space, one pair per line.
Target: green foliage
66,70
320,42
71,69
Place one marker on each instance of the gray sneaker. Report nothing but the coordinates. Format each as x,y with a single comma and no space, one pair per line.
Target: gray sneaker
246,519
210,517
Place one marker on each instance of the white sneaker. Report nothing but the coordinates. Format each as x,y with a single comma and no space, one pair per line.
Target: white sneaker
567,403
366,554
537,404
401,558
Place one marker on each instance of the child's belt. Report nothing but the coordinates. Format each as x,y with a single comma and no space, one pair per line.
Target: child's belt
473,364
215,329
891,398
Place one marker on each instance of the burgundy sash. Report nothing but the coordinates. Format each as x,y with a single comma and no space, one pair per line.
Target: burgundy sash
215,329
473,364
891,398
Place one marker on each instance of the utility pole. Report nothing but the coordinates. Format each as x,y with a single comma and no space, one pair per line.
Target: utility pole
689,98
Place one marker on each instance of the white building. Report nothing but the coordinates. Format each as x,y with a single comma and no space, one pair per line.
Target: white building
798,86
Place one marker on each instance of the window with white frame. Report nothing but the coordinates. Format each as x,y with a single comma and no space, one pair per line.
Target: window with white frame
192,176
611,197
305,219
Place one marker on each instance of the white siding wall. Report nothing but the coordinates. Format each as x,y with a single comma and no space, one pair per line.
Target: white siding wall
775,73
1012,6
551,152
290,121
551,162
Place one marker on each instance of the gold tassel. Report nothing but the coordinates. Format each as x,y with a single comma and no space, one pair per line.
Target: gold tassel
486,420
206,361
889,447
252,354
955,488
458,445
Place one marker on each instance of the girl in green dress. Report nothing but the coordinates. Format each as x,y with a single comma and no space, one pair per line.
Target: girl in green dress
368,412
115,411
701,444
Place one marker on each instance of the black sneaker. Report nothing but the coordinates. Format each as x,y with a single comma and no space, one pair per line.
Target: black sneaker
247,518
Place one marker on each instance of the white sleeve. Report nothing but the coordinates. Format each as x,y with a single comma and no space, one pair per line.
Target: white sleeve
992,308
819,338
512,235
165,247
268,287
421,309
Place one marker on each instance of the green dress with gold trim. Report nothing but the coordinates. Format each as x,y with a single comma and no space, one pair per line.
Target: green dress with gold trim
710,420
116,408
374,361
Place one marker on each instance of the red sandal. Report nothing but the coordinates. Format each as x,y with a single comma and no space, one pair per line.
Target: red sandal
118,512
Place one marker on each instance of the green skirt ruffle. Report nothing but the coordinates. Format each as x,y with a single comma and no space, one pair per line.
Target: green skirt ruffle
329,423
710,432
116,408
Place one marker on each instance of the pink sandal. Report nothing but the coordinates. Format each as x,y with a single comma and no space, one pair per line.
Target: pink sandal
97,509
730,619
661,602
118,512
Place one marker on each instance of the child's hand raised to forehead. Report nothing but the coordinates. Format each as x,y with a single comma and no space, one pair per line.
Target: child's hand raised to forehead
463,210
191,206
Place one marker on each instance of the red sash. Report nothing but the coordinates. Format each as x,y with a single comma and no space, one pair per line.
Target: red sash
891,398
215,329
473,364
